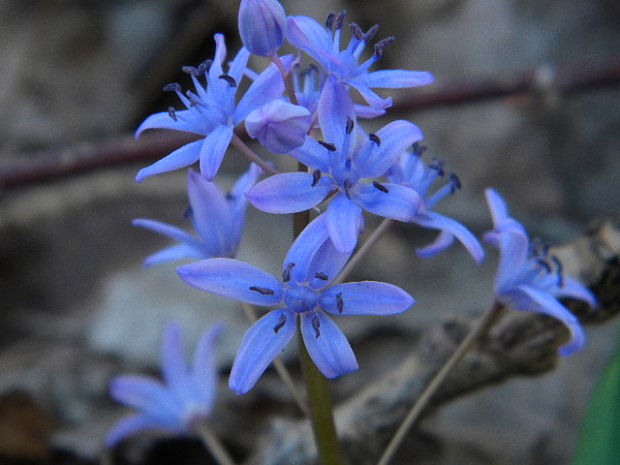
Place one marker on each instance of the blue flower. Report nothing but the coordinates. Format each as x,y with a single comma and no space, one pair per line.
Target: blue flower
344,69
211,111
348,170
262,26
304,293
187,396
410,170
528,278
218,218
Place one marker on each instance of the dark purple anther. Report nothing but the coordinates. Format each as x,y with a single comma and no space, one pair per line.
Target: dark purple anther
280,324
559,270
379,46
419,149
339,302
349,126
316,324
329,21
375,138
347,187
321,275
339,20
455,183
286,272
544,264
328,146
172,87
356,31
189,70
229,79
172,113
371,33
262,290
380,186
316,175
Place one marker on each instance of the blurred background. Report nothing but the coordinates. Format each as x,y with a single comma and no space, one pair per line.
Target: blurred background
526,100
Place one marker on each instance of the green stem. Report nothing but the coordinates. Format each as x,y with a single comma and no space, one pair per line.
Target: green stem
321,412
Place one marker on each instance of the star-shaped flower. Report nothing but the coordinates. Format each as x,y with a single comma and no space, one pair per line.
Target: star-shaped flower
187,396
410,170
211,110
217,217
528,278
304,293
349,170
344,70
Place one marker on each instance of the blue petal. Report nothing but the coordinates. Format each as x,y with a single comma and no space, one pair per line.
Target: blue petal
262,342
499,212
211,213
129,425
185,121
180,158
330,351
396,78
312,154
289,192
344,219
313,252
366,298
174,367
173,253
514,248
372,98
232,279
213,150
448,227
238,201
334,108
395,138
575,290
144,393
238,65
204,369
309,35
167,230
267,86
366,111
546,303
399,202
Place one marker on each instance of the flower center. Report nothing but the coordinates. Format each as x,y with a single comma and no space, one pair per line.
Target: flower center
300,298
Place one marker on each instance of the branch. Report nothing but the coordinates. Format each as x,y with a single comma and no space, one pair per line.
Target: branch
522,343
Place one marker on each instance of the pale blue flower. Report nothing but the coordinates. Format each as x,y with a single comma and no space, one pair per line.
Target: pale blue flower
344,70
211,110
262,26
304,293
218,218
349,170
529,278
186,396
410,170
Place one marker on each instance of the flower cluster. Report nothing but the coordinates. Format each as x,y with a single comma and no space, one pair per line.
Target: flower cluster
308,112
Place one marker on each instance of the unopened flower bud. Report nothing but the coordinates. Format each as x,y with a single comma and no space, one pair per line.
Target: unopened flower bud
279,126
262,25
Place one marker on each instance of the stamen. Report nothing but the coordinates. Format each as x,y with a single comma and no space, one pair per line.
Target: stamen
189,70
559,270
329,21
229,79
172,113
380,186
349,126
286,272
339,302
262,290
419,149
437,165
316,324
347,164
370,33
316,175
455,183
193,98
280,324
172,87
347,187
375,138
328,146
379,46
356,31
340,19
229,196
321,275
544,265
203,68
